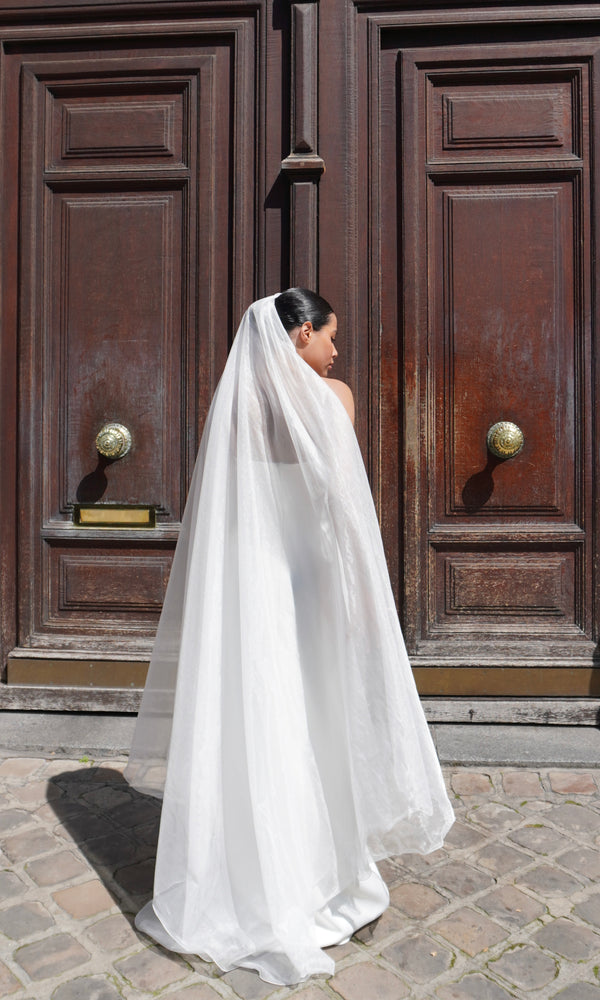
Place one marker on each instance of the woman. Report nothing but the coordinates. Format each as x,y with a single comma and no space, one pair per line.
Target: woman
279,694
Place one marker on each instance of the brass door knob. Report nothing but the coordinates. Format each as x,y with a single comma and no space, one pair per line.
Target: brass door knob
113,440
505,439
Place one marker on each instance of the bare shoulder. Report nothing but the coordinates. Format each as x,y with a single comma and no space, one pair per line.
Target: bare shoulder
344,394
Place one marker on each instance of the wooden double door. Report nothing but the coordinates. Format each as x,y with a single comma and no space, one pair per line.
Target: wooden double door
485,152
161,172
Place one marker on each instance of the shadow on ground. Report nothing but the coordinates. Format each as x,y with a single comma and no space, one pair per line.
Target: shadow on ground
115,828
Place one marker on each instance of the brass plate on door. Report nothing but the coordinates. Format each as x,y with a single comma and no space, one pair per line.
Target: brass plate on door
38,672
523,682
114,516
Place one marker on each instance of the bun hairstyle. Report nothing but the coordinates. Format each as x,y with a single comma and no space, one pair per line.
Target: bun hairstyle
300,305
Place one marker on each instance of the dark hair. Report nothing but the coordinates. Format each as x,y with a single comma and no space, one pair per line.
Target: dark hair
300,305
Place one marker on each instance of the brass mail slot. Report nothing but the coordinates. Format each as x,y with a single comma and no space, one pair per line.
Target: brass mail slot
108,515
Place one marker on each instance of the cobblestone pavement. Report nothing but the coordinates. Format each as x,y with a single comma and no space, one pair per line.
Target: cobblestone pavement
509,908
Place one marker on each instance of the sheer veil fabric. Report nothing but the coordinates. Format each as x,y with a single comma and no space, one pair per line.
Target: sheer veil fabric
280,721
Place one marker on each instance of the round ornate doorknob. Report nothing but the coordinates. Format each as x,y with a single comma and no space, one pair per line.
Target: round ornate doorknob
505,439
113,440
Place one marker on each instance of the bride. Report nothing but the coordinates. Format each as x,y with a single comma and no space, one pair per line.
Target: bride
280,721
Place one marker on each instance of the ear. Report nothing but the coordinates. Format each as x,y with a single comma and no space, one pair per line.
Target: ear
305,332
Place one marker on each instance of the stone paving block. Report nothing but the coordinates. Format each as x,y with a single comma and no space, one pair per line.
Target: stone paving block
589,909
474,987
340,951
579,991
208,970
416,900
311,993
390,922
539,838
88,988
419,956
20,767
471,783
47,812
140,810
113,850
583,860
10,819
524,784
205,992
510,904
57,868
151,969
461,879
470,931
572,783
422,862
535,806
548,881
559,907
462,836
24,919
566,938
84,900
494,816
52,956
137,879
248,985
8,983
76,777
574,818
501,859
526,967
28,844
147,833
107,798
37,791
358,982
390,874
81,825
113,933
110,772
10,886
64,766
71,806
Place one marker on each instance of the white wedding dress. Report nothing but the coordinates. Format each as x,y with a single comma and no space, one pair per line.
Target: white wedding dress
280,720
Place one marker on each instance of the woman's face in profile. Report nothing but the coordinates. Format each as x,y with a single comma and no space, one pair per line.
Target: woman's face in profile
317,347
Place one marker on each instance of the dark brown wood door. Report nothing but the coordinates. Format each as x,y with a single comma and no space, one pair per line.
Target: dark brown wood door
487,316
145,203
133,173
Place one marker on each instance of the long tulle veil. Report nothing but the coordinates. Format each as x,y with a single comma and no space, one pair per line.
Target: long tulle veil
280,714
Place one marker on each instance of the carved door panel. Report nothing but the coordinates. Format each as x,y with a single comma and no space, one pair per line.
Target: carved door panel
135,232
487,317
